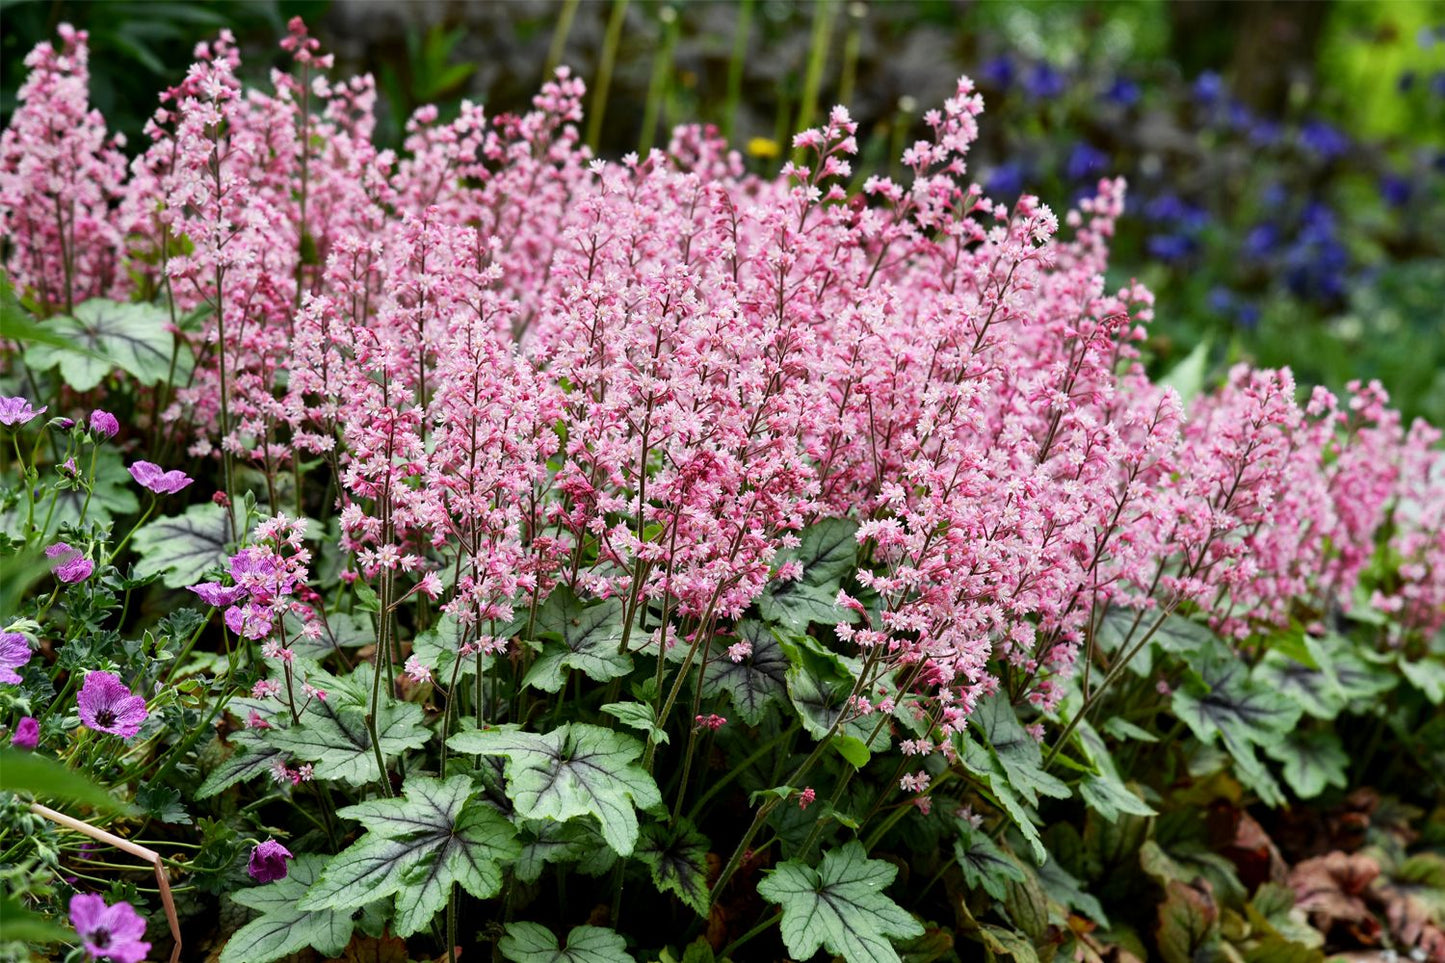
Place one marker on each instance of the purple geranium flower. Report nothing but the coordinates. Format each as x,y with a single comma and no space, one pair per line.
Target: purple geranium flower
106,705
104,423
17,411
73,565
26,735
108,932
218,595
157,479
14,652
268,862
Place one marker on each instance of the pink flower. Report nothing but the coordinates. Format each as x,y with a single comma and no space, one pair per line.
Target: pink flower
14,652
108,932
104,423
106,705
268,862
17,411
26,735
806,797
73,565
161,482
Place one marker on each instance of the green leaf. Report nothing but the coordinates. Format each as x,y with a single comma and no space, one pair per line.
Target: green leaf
1065,889
333,735
1312,761
755,681
547,841
677,856
180,548
576,770
840,905
1187,377
1017,755
1225,702
163,803
417,846
1109,796
282,928
1427,675
636,715
252,756
44,778
1188,924
585,638
984,865
820,694
24,926
104,335
828,552
798,604
852,749
534,943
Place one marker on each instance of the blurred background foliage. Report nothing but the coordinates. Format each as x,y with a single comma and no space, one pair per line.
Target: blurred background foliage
1286,160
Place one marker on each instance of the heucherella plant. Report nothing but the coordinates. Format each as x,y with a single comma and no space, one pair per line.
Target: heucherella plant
553,543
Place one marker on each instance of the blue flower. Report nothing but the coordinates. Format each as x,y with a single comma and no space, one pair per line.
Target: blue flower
1208,87
1221,299
1086,162
1264,133
1248,316
1044,82
997,72
1170,247
1395,190
1261,240
1006,180
1123,92
1324,140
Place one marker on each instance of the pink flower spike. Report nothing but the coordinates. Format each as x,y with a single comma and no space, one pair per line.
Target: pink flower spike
156,479
14,652
108,932
106,705
26,735
268,862
17,411
806,797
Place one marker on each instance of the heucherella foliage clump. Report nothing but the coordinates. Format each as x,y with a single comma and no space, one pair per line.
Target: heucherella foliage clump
542,448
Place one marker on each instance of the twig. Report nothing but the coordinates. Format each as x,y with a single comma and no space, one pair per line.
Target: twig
136,850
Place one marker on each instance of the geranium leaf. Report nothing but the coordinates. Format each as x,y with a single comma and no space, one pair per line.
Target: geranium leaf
839,905
333,735
417,846
103,335
577,770
180,548
282,928
677,856
758,679
581,637
534,943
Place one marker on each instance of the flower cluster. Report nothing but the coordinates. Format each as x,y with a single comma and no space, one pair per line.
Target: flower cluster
525,368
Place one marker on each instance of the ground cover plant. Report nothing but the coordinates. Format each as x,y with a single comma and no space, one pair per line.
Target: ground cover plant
488,548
